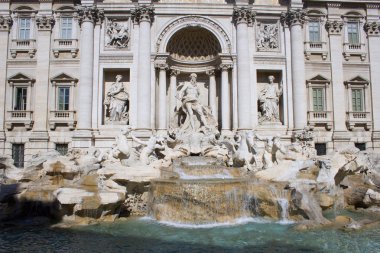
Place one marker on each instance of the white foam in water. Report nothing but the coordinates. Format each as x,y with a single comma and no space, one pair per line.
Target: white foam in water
236,222
183,175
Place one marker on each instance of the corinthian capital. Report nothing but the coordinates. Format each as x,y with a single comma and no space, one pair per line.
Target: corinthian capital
45,23
90,14
293,17
334,26
243,15
5,23
372,28
142,13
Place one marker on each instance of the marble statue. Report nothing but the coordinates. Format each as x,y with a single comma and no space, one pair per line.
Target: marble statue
193,116
116,101
272,145
245,152
267,37
117,35
148,148
269,100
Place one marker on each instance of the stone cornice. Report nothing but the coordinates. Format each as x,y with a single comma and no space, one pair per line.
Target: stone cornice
293,17
373,6
243,15
372,28
334,26
142,13
5,23
45,23
90,14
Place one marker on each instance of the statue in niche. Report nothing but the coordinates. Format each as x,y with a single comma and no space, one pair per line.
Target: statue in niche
192,115
267,37
116,101
269,100
117,35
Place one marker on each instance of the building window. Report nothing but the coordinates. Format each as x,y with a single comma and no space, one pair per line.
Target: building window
20,98
321,148
66,27
62,148
24,29
63,99
318,99
353,32
18,155
357,100
314,31
360,146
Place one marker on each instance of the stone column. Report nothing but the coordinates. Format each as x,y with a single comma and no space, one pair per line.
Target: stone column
143,16
334,28
88,16
225,98
162,96
44,24
243,16
5,25
173,91
212,92
373,31
295,19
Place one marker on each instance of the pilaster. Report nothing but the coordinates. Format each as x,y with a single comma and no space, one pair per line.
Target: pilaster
243,17
143,15
225,98
5,25
295,18
162,67
87,16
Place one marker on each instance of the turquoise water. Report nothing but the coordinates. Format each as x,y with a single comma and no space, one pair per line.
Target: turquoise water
146,235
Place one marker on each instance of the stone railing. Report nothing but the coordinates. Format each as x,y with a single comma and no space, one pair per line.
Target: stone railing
19,118
23,46
318,48
354,49
65,45
64,118
359,119
320,118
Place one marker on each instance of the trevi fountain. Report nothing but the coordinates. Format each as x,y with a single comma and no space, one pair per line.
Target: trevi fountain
189,126
193,189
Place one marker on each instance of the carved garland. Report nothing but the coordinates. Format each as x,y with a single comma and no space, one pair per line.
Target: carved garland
45,22
196,20
142,13
293,17
243,15
334,26
90,14
372,28
5,22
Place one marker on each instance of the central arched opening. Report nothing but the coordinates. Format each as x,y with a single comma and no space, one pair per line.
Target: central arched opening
194,45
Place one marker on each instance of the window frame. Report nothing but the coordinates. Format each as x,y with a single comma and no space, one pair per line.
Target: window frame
358,33
318,22
68,30
19,163
58,97
22,28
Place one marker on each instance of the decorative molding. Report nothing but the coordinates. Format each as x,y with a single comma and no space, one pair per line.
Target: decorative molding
90,14
142,13
225,66
161,65
372,28
5,23
372,6
293,17
243,15
267,38
334,5
174,72
194,21
210,72
117,34
334,26
45,23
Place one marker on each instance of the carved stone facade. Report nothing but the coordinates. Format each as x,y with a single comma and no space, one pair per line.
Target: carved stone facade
58,70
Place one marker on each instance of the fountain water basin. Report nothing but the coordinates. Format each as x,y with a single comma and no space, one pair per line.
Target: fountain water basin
197,190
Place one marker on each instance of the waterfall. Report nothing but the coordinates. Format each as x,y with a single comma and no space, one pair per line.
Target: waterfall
284,205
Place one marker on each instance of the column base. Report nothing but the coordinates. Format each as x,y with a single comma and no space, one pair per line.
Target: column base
82,139
145,133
